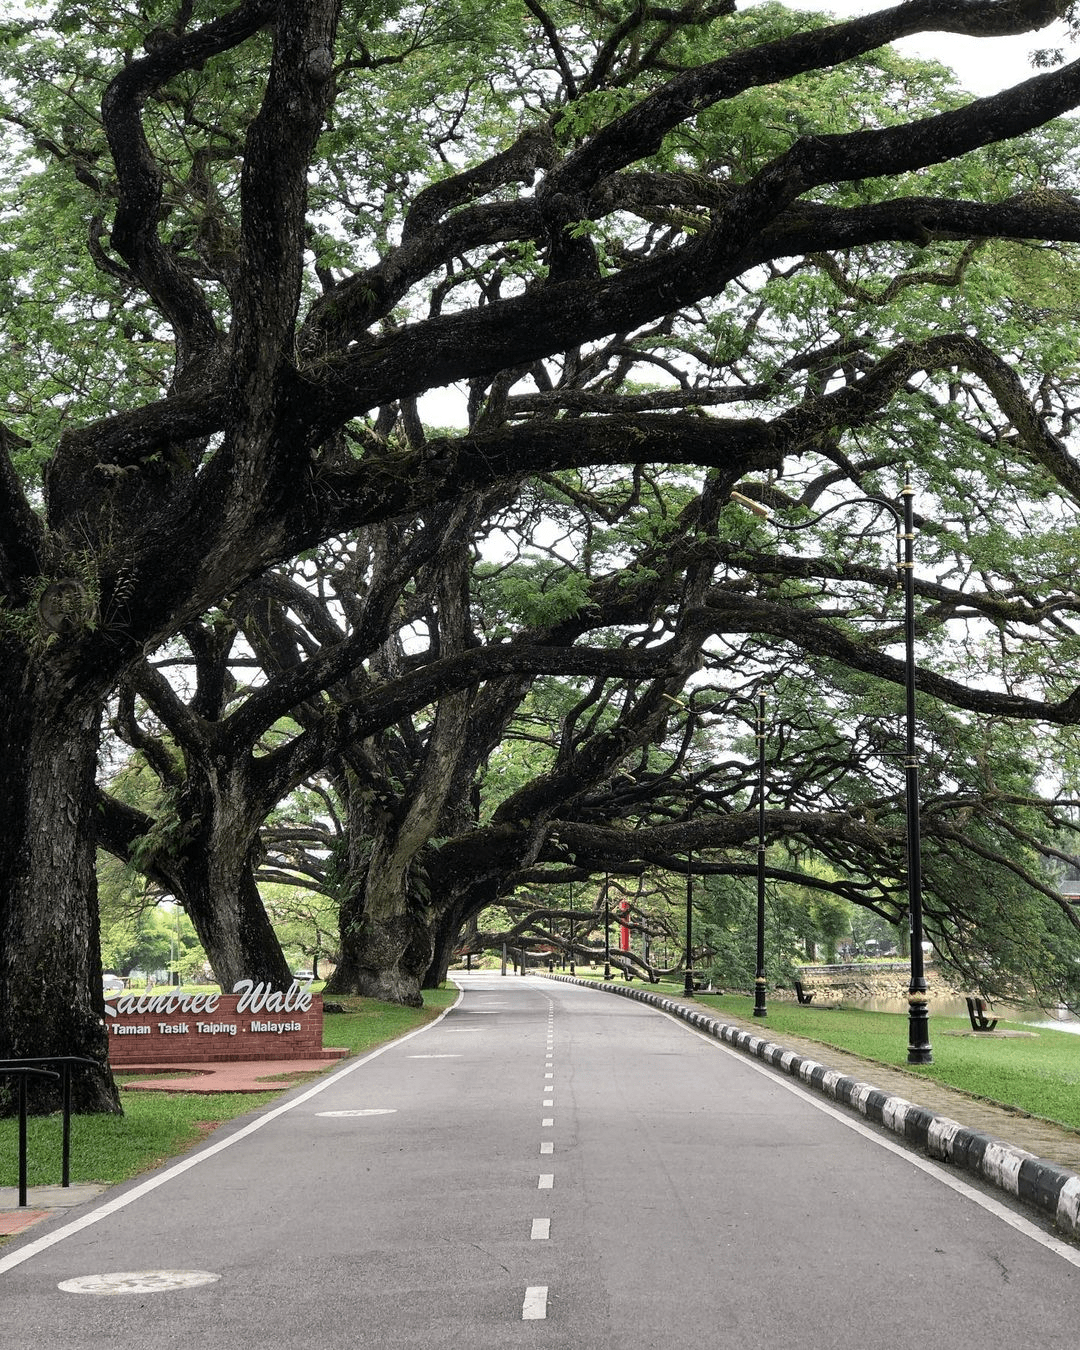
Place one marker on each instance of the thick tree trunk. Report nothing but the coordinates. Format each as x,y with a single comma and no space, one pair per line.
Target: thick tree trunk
220,894
226,910
50,962
387,941
445,938
449,924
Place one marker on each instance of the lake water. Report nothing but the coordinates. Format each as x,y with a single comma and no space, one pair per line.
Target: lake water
950,1006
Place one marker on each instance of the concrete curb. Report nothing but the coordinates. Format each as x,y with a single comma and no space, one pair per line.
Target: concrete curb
1049,1187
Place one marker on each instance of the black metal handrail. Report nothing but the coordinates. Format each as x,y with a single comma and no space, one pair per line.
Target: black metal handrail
23,1068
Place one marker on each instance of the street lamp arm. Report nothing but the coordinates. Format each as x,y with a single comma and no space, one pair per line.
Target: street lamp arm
882,502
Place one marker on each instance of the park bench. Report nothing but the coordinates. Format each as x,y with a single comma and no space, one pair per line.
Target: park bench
977,1011
801,994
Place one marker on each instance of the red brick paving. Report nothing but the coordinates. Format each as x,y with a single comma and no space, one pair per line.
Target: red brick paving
255,1075
15,1220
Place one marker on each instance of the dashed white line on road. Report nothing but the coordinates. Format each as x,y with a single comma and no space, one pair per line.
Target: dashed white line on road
534,1309
547,1122
547,1146
541,1230
546,1181
548,1101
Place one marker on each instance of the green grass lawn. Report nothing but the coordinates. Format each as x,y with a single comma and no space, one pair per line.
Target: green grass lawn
156,1126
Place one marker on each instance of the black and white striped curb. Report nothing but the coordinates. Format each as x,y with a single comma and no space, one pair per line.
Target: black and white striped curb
1046,1185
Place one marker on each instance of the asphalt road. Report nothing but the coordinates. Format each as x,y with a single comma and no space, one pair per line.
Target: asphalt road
545,1166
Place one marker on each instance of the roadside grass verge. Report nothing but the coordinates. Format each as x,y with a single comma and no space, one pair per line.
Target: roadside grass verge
1037,1074
157,1126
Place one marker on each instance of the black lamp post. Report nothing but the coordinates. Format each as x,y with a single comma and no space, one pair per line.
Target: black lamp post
607,934
759,975
688,980
573,970
758,704
919,1050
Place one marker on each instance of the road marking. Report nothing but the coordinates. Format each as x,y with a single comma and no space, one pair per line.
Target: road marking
547,1122
534,1309
547,1146
541,1230
138,1282
367,1111
193,1160
548,1101
550,1074
546,1182
987,1202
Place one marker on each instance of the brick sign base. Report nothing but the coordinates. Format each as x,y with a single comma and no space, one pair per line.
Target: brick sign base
229,1030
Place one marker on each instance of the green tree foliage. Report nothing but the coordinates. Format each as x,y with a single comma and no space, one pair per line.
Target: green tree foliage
661,254
152,941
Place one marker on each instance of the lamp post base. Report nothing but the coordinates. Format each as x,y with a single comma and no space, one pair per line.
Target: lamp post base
760,1009
919,1051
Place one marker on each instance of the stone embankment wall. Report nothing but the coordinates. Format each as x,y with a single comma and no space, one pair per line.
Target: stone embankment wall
866,979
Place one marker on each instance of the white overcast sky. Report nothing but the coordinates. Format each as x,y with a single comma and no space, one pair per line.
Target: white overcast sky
984,65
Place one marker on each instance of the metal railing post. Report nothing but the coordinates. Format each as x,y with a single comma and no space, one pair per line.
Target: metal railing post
22,1068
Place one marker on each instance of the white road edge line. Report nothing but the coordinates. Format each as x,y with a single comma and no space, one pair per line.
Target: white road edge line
22,1254
534,1309
987,1202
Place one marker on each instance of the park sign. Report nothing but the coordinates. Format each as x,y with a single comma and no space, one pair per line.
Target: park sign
255,1021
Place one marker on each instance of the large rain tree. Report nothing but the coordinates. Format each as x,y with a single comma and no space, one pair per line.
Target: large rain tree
245,233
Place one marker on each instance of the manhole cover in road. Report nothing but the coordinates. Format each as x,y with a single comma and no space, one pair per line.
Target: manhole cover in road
138,1282
369,1111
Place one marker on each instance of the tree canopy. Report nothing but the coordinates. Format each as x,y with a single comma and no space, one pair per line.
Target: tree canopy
663,254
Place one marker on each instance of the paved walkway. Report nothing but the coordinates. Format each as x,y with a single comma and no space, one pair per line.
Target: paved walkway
42,1202
544,1154
1041,1137
240,1076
